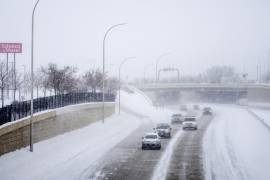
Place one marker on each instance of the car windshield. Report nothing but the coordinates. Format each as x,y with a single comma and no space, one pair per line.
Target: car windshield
163,127
151,137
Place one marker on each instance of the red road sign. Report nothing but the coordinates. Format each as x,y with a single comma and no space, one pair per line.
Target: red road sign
10,47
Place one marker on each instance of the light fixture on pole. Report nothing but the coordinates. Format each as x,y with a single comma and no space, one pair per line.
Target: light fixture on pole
103,68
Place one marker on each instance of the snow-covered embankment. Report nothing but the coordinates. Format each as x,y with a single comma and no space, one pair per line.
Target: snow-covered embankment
236,146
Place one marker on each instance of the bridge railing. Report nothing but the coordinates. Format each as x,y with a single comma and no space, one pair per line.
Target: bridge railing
202,85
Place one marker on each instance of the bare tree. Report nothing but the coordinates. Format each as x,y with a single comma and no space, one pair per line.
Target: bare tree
218,74
38,81
89,78
3,81
98,79
93,79
112,85
60,80
19,83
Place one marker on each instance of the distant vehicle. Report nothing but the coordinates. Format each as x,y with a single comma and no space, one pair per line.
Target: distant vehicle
190,113
177,118
151,141
196,107
190,123
183,107
207,111
163,130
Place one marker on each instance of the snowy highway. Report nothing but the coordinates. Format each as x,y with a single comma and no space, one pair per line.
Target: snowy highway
230,144
128,161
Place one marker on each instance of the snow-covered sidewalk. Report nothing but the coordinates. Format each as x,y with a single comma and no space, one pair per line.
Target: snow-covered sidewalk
67,156
236,146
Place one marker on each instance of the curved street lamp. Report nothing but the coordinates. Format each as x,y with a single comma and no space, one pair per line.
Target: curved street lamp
157,61
32,76
119,78
144,71
103,66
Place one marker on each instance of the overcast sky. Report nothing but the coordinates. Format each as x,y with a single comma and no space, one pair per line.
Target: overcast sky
198,34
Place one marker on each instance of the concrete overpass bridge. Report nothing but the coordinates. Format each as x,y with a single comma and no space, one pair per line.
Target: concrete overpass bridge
229,92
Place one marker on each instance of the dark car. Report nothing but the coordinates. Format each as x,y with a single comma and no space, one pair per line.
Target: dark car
196,107
177,118
207,111
183,107
163,130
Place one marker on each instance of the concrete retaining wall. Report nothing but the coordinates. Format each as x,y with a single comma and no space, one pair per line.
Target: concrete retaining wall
259,95
15,135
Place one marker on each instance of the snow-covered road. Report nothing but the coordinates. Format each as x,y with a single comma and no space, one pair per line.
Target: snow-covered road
236,146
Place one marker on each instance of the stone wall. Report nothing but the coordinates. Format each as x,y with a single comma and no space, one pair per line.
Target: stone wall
15,135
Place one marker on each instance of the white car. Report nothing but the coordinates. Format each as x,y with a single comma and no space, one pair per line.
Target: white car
151,141
189,123
163,130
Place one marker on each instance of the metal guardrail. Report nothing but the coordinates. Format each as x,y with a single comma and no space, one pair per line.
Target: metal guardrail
201,85
20,110
259,118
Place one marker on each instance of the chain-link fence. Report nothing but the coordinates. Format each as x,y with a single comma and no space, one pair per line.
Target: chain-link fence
20,110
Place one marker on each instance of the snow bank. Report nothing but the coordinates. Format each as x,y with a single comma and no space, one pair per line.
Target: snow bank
68,155
139,103
236,146
263,114
259,105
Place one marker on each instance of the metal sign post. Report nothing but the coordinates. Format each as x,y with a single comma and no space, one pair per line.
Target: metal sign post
11,48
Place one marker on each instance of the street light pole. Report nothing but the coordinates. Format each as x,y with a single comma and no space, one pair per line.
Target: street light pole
32,76
157,61
119,78
103,67
144,71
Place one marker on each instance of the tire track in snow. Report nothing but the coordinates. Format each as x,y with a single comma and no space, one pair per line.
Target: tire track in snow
221,161
160,172
186,161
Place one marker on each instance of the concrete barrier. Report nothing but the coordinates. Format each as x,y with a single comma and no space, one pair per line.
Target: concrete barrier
48,124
